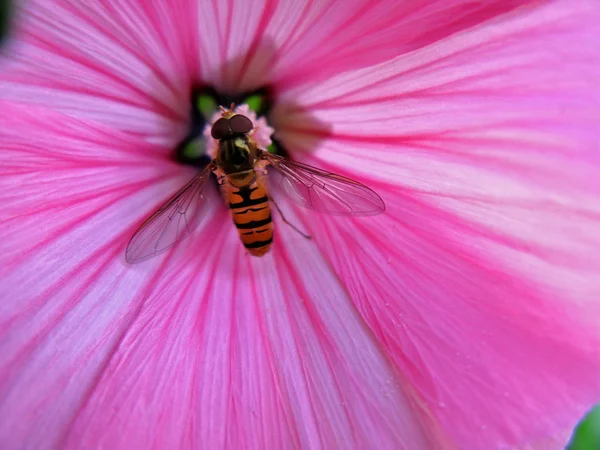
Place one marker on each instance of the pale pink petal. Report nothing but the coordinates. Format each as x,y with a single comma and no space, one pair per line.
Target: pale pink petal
247,44
224,355
128,64
204,347
132,64
481,278
317,39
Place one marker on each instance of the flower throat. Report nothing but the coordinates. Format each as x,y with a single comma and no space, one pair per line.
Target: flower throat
203,103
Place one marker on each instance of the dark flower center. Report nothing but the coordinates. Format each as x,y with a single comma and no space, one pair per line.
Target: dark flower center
204,103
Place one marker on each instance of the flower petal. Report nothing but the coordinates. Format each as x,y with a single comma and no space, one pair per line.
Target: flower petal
202,347
249,359
127,64
133,64
333,37
481,279
70,192
288,42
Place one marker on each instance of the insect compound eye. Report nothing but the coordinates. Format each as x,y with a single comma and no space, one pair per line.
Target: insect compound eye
240,124
220,128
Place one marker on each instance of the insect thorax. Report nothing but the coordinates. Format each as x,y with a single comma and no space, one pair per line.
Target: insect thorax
236,154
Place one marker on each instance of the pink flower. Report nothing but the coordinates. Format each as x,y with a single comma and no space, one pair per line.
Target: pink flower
464,317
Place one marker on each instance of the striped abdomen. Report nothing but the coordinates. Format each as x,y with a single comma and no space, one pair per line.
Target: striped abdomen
249,205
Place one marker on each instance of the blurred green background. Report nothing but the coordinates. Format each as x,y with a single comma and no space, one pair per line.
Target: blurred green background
5,11
587,433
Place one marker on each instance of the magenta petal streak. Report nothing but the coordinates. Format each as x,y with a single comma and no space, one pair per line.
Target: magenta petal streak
465,317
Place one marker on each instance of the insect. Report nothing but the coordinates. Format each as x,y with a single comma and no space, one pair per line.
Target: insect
240,167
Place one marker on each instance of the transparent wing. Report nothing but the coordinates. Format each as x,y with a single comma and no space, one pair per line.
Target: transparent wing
171,223
324,191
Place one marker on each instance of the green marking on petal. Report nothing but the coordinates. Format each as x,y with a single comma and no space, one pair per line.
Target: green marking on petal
207,105
272,149
194,149
587,433
255,102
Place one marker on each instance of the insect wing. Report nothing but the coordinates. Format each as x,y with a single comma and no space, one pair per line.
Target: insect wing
171,223
324,191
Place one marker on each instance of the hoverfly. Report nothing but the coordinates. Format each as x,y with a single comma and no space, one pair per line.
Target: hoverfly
240,167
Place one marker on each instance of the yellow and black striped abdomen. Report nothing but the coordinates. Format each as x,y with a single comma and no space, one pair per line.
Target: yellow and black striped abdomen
251,213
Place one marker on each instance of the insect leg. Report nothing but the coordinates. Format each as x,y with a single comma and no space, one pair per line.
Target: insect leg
307,236
218,173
